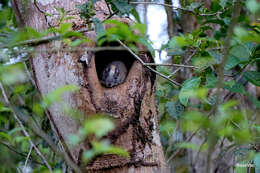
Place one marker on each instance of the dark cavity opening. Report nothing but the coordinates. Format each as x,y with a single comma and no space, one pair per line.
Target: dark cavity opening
103,58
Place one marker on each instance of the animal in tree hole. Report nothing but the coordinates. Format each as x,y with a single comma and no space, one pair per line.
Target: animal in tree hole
114,74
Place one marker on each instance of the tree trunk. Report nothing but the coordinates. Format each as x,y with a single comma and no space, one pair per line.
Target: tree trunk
131,103
171,26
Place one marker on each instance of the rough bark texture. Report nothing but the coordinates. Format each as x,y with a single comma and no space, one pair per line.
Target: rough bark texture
131,104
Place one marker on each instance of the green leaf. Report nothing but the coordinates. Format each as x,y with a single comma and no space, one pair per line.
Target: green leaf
202,62
123,7
174,109
239,54
242,52
253,6
216,56
193,120
235,87
247,35
211,80
74,139
3,119
65,27
14,131
99,126
232,61
99,28
4,135
190,84
136,15
3,108
215,6
103,147
223,3
188,145
254,100
253,77
11,74
55,95
194,5
86,10
167,127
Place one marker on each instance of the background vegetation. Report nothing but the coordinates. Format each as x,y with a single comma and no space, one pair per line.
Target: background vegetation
208,89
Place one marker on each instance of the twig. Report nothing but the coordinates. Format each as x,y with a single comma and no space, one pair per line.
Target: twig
27,158
28,73
46,39
179,150
150,68
189,139
176,65
177,8
186,61
110,12
23,128
20,153
199,151
231,94
40,133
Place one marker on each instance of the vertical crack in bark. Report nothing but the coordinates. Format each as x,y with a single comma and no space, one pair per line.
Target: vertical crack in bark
19,17
41,11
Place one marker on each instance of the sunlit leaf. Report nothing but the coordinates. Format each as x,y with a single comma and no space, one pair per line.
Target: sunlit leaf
4,135
14,73
55,95
99,126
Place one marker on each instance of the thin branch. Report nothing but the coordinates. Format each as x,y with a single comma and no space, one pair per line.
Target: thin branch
235,15
46,39
23,128
150,68
28,73
189,139
231,94
110,12
27,158
40,133
180,149
177,8
186,61
169,64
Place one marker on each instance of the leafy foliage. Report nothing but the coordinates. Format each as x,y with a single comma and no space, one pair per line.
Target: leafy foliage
186,110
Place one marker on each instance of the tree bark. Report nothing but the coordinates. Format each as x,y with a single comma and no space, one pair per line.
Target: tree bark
131,104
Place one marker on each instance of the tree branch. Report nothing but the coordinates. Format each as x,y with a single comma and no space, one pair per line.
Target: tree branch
177,8
150,68
40,133
23,128
27,158
221,70
186,61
